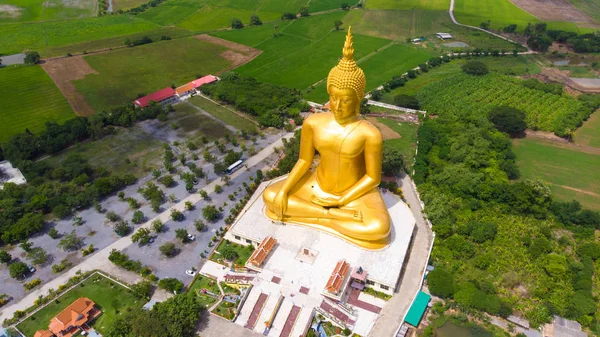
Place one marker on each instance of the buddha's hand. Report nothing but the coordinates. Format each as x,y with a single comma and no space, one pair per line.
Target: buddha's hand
330,201
280,204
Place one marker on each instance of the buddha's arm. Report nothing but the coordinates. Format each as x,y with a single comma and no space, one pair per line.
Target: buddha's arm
372,177
305,158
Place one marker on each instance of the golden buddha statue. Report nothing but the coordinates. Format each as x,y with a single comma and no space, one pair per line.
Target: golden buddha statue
341,196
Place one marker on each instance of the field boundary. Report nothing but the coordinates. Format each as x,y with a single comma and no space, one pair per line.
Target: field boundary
248,52
562,143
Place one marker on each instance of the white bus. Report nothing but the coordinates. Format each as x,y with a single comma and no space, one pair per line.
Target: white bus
234,167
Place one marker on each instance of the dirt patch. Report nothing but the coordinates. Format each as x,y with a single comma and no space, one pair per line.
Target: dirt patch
590,193
9,11
556,141
238,54
555,10
386,131
63,72
583,85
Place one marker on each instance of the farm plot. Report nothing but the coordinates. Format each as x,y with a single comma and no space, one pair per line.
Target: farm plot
466,93
555,10
125,73
589,7
29,100
394,4
314,28
171,12
212,18
300,66
572,174
589,133
251,36
15,38
324,5
500,13
41,10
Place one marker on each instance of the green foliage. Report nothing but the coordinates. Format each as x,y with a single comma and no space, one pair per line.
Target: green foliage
440,283
509,120
122,260
142,235
168,249
392,162
229,253
32,284
181,234
5,257
138,217
476,68
254,20
158,226
122,228
17,269
70,241
171,284
32,57
177,215
37,256
210,213
236,23
406,101
142,290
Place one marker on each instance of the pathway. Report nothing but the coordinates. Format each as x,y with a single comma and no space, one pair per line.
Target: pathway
12,59
100,260
394,311
394,107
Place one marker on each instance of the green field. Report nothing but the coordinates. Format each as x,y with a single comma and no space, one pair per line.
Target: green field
315,27
29,100
126,4
589,7
251,36
124,73
589,133
407,143
408,4
324,5
500,13
41,10
15,38
212,18
109,297
171,12
223,114
571,174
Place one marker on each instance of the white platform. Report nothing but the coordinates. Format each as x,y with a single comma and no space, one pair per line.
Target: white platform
383,266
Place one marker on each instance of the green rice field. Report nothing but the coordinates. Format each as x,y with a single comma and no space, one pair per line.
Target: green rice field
29,100
109,297
325,5
15,38
589,133
500,13
126,4
171,12
124,73
41,10
251,36
408,4
572,174
212,18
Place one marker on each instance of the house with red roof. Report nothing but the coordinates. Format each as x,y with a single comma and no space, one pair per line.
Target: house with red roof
163,96
72,319
204,80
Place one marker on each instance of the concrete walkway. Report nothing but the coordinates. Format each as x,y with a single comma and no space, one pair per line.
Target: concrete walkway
410,282
99,260
9,60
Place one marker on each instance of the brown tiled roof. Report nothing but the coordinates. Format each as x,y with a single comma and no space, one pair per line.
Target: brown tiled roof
184,88
337,277
76,314
43,333
260,254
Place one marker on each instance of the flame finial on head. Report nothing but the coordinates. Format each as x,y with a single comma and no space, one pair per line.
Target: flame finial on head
347,74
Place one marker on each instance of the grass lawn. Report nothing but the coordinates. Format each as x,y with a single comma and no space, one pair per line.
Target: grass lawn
314,27
243,252
15,38
124,73
408,141
192,124
285,62
110,298
223,114
171,12
572,174
589,133
212,18
324,5
203,282
29,100
40,10
229,289
225,309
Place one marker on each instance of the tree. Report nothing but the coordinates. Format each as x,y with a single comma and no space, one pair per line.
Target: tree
407,101
122,228
32,57
485,25
26,245
112,216
171,284
392,161
440,283
38,256
203,194
476,68
509,120
17,269
167,180
236,23
70,241
53,233
539,43
199,225
288,16
180,315
255,20
218,189
229,253
168,249
210,213
142,290
5,257
142,236
304,11
138,217
176,215
337,24
345,6
189,206
181,234
158,226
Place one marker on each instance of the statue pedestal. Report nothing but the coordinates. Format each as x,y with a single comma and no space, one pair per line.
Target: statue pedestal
325,250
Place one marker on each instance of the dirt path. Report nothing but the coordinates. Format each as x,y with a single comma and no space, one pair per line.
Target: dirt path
238,54
556,141
63,72
590,193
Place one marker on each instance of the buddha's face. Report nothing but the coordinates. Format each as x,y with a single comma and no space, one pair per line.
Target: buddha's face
343,103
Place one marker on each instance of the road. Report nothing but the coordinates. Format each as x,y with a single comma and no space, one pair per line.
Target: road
410,282
100,259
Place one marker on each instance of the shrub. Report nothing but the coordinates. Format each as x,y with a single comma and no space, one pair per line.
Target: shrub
476,68
176,215
32,284
171,284
168,249
509,120
440,283
122,228
53,233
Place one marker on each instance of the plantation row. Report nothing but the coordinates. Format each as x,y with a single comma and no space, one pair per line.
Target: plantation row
464,93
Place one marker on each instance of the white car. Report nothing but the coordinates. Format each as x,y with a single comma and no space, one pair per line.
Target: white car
190,237
31,269
191,272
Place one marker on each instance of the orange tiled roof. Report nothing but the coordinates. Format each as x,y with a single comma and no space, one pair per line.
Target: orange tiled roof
43,333
336,280
261,253
184,88
76,314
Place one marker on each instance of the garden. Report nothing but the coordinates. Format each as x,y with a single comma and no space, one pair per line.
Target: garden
230,252
226,309
110,298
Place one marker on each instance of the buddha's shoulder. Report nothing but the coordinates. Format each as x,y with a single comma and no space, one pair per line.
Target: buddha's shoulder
369,129
318,118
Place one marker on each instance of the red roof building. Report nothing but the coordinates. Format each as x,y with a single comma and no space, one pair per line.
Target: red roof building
336,280
160,96
185,89
204,80
70,321
260,254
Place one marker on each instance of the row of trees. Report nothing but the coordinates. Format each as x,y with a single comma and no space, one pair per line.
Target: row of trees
273,104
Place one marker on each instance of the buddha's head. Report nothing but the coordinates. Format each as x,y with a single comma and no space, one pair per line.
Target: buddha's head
346,84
